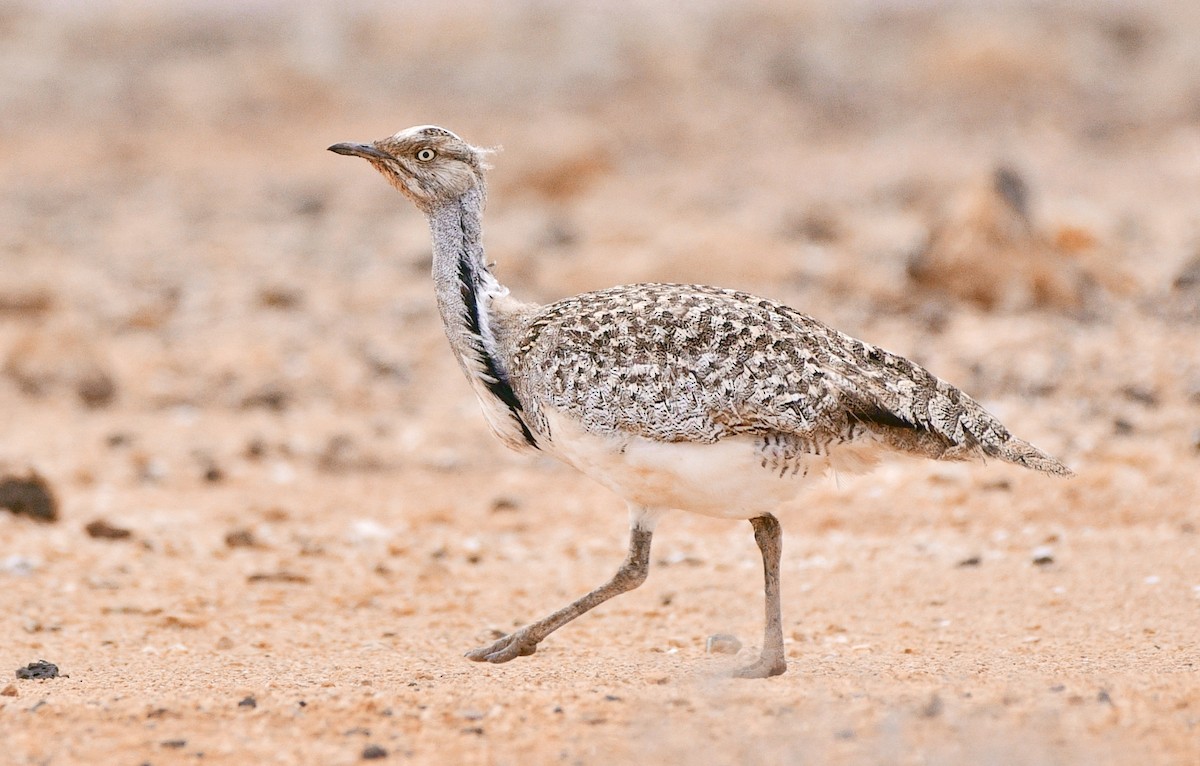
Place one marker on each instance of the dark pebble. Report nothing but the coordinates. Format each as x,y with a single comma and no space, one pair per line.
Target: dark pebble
1043,560
277,577
278,298
373,753
38,670
269,397
118,439
249,702
504,504
241,538
970,561
174,744
1141,395
96,390
102,530
255,449
30,496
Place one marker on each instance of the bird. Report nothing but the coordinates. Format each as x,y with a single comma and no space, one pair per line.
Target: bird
674,396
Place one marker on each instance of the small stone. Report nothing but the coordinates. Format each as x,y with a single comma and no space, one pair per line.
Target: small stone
970,561
1141,395
269,397
19,565
373,753
118,439
29,495
174,744
10,691
281,576
722,643
505,504
38,670
96,389
281,298
248,702
102,530
241,538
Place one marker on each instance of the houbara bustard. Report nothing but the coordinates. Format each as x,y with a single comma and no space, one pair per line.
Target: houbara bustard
673,396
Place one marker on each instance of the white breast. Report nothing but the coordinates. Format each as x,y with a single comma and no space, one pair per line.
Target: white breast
726,479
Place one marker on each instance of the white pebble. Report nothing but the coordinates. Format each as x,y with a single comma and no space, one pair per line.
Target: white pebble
17,564
367,531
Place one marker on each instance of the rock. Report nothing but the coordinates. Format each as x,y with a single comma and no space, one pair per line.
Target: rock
102,530
241,538
38,670
373,753
29,495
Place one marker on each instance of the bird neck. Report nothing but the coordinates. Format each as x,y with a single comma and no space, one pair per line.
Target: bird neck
466,290
460,274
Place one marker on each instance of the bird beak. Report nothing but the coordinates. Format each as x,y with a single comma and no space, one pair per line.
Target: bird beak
366,151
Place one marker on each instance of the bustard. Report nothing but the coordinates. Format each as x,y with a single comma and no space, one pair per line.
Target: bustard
673,396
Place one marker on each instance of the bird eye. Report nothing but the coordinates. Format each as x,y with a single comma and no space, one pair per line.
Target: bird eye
425,155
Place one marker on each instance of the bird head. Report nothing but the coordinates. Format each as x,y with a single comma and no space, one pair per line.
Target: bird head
428,164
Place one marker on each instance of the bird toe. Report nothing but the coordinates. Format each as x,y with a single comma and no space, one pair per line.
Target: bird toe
507,648
763,668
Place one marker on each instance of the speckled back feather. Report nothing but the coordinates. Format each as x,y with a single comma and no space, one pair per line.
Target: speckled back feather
693,363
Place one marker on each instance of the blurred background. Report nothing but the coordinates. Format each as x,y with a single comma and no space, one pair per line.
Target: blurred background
175,233
220,339
173,224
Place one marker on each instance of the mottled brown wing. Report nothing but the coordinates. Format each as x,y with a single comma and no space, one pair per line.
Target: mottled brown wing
693,363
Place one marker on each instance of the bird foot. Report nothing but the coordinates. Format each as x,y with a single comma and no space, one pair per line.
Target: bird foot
516,644
763,668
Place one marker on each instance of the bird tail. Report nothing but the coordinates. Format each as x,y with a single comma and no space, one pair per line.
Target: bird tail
953,426
980,431
1024,454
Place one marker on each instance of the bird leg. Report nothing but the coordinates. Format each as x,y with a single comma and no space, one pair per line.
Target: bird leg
771,662
632,573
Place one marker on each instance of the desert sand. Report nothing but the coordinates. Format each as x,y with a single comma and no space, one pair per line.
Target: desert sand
281,519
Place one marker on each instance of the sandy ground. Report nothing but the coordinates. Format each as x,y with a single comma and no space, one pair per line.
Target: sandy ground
221,339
